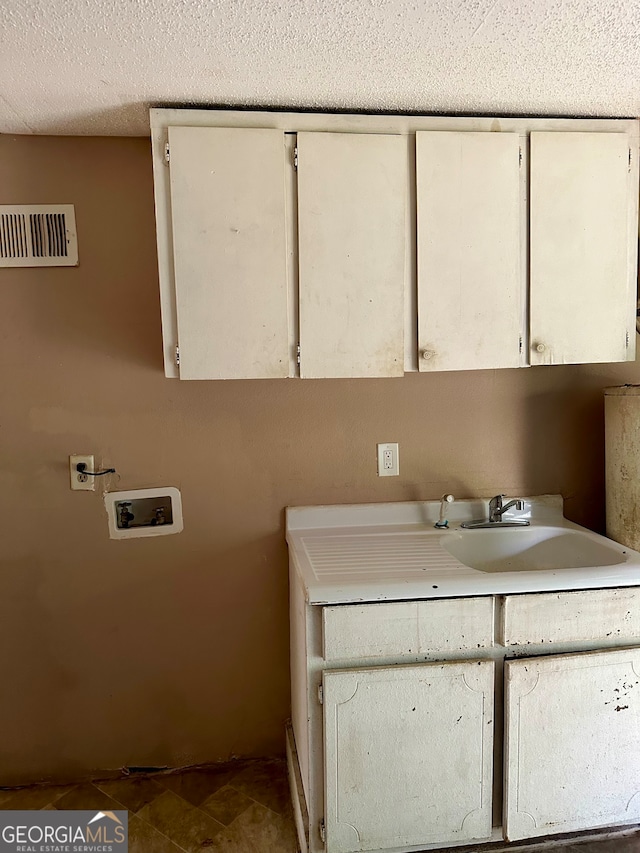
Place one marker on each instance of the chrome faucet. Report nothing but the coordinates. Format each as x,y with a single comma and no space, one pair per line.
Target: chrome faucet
496,511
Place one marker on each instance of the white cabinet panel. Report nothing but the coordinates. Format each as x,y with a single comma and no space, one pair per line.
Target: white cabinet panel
408,754
371,631
470,282
609,616
572,742
352,191
582,271
229,241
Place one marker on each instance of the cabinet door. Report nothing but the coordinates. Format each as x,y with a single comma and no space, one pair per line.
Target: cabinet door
470,279
572,742
583,290
229,243
408,754
352,194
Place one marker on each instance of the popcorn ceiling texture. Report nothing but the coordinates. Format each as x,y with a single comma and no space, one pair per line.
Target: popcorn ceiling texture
94,66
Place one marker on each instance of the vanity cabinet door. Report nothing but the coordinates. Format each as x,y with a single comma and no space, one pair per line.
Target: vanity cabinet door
352,197
408,755
470,267
584,203
229,252
572,748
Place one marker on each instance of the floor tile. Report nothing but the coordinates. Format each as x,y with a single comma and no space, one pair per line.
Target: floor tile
267,783
36,797
242,807
195,786
231,840
226,804
143,838
87,796
623,844
266,831
627,844
186,825
133,793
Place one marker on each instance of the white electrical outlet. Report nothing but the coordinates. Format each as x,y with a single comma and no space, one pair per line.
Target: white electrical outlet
388,460
81,482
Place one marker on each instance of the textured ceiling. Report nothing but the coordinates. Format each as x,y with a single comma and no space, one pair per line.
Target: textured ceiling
94,67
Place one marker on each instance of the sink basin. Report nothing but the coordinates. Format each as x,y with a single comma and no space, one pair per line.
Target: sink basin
527,549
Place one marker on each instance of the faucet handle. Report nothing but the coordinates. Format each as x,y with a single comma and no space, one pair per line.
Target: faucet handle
495,508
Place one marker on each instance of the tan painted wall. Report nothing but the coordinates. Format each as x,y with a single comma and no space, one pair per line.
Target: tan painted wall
173,650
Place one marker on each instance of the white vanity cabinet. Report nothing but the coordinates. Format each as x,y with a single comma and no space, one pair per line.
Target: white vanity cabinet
408,755
436,722
403,763
393,708
313,245
572,742
572,720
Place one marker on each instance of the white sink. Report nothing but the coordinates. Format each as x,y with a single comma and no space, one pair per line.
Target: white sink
396,552
526,549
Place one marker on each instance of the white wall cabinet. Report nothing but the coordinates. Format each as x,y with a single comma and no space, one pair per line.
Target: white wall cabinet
352,195
398,708
233,231
400,242
229,246
470,276
583,248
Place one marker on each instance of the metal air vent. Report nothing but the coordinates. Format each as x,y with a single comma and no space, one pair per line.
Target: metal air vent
38,235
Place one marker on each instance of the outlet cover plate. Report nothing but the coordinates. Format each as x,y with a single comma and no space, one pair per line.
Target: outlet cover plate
82,482
388,460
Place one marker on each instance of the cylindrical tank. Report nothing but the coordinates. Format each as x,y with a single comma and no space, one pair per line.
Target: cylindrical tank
622,464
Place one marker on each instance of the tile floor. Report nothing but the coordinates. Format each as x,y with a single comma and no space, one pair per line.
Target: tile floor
240,807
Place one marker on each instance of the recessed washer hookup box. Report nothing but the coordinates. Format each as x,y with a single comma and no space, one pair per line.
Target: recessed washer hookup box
144,512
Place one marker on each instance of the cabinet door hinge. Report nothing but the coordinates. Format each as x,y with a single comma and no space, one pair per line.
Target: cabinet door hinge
295,158
627,340
520,344
177,355
298,354
167,156
320,694
323,831
629,159
520,156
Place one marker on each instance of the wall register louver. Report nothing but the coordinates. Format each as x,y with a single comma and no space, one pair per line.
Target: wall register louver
38,235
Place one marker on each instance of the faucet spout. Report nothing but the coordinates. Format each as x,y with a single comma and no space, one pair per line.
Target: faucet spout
497,508
496,511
